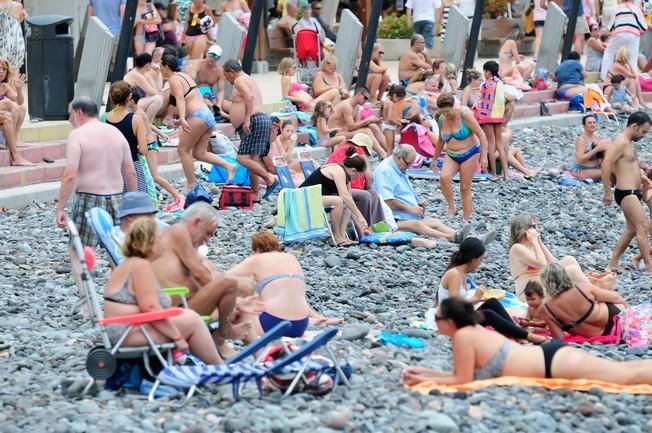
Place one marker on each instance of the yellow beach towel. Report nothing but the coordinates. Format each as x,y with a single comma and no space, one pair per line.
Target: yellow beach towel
573,384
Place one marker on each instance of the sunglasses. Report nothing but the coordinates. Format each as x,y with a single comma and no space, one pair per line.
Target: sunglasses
381,52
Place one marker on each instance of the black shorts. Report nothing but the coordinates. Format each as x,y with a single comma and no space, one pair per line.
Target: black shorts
620,194
539,23
257,141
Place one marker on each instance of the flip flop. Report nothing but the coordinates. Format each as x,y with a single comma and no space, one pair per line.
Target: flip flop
270,190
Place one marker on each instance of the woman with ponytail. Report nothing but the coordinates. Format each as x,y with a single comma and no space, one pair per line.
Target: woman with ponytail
479,353
455,282
335,182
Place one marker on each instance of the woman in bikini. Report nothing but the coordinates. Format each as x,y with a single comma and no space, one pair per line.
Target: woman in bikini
589,151
198,22
280,284
455,283
327,79
196,121
466,145
622,66
132,289
471,92
298,93
479,353
514,68
146,28
528,255
578,309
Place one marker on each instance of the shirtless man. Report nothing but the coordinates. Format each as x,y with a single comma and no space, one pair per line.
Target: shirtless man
344,117
208,73
180,265
253,125
137,77
415,59
94,175
621,160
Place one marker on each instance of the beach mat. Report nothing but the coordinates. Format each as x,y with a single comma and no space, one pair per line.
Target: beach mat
572,384
418,173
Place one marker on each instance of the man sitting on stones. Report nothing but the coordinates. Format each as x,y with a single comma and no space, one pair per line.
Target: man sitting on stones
378,78
570,77
180,265
414,60
345,117
393,185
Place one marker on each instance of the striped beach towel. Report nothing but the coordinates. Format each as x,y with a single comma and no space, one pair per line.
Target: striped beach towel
300,214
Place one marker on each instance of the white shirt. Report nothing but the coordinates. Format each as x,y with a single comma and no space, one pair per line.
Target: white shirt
467,7
423,10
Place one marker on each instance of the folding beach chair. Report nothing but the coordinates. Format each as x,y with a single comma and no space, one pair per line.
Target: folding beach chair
101,361
307,54
102,224
234,371
296,365
307,163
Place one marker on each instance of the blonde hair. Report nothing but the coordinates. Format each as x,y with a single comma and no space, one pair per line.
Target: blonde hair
329,58
519,226
10,71
285,65
623,55
140,238
451,71
555,279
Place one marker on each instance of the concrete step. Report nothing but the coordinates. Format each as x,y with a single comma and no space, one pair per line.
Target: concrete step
35,152
45,131
533,110
536,96
11,177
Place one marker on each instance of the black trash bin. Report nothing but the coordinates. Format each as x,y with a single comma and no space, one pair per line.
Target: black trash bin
50,60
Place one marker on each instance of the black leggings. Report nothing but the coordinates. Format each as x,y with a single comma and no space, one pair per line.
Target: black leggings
498,318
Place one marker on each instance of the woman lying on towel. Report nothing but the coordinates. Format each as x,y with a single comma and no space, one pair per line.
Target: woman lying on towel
479,353
579,309
528,255
281,286
453,284
132,289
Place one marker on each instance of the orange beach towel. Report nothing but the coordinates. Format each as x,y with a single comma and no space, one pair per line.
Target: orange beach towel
574,384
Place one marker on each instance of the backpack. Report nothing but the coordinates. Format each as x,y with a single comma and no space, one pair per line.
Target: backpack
198,193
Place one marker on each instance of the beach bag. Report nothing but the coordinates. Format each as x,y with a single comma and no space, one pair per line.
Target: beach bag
221,145
594,99
198,193
219,175
576,103
236,196
637,326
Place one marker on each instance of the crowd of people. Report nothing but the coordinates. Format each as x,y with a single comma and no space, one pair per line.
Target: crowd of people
178,80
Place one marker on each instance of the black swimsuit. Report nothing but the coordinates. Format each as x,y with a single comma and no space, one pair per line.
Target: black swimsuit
620,194
328,186
611,308
173,99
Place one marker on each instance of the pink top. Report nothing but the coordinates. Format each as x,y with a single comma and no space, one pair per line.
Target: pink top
628,18
539,12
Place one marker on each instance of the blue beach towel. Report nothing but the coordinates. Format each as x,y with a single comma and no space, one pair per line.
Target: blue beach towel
218,174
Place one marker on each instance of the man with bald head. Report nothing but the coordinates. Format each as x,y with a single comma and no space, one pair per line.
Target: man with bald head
393,185
414,60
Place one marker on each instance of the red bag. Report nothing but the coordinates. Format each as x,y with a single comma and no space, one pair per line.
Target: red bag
236,196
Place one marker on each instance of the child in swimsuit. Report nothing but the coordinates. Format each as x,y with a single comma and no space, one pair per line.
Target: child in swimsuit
326,137
535,315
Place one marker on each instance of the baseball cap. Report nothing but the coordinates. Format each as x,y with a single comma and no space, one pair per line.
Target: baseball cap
363,140
135,203
215,51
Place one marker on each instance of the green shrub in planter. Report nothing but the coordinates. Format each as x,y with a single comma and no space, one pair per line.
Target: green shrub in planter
495,8
394,27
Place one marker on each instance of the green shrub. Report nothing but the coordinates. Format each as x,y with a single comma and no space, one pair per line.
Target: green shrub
495,8
394,27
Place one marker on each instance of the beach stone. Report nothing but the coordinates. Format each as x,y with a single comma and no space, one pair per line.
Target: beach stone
332,261
438,422
338,419
402,248
355,332
475,412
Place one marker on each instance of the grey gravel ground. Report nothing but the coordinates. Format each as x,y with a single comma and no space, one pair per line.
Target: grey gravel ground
373,288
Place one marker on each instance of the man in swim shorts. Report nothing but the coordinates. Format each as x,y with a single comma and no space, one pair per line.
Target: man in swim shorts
621,161
253,125
97,158
414,60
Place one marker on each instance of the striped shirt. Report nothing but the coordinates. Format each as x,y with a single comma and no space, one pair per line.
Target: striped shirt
628,18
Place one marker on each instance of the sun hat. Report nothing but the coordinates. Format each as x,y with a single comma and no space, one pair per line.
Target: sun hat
136,203
363,140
